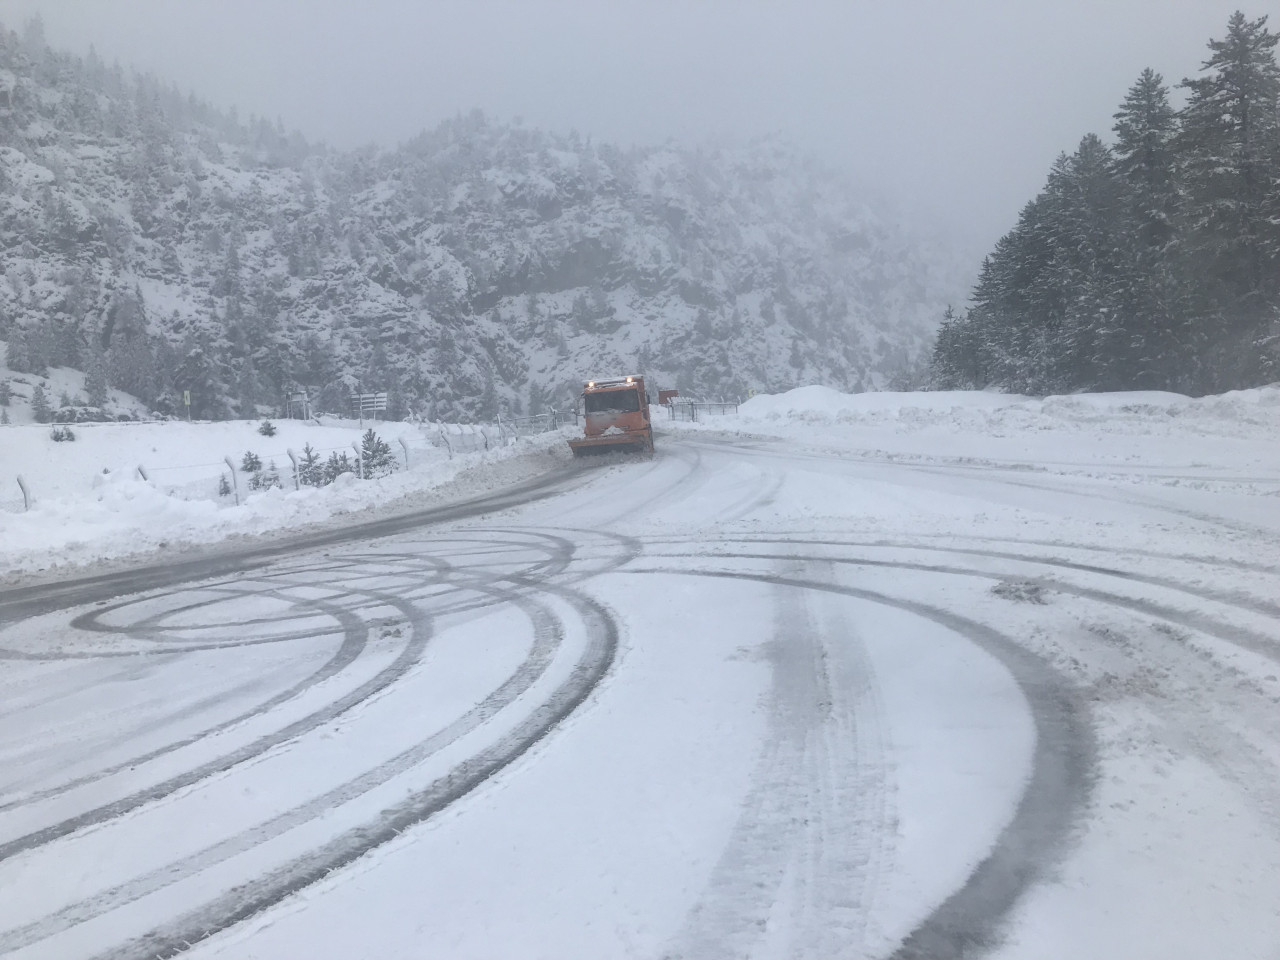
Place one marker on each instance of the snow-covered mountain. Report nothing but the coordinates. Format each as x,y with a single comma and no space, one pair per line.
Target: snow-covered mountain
481,266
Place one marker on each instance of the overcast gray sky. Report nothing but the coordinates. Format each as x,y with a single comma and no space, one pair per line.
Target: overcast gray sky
955,109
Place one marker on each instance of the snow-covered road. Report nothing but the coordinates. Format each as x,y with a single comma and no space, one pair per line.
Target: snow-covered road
752,698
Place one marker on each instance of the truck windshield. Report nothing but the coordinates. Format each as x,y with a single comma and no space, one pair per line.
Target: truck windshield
614,401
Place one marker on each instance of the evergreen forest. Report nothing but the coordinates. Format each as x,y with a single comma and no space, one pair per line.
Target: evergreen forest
1148,263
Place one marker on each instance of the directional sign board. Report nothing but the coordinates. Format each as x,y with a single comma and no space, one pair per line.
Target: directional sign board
367,403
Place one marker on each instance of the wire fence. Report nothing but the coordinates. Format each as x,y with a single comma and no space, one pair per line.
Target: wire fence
693,411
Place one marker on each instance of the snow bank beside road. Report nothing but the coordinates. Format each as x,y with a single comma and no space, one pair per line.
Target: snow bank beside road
968,409
1101,431
82,515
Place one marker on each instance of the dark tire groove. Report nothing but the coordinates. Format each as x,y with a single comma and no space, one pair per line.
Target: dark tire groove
969,920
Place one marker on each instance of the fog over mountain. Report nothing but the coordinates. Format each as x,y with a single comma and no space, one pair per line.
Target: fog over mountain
481,266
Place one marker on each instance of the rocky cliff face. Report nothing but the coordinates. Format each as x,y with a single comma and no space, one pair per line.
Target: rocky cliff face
479,267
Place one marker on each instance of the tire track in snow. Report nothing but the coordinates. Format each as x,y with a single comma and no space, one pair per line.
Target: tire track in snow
259,894
969,919
355,634
529,671
819,808
125,805
1251,640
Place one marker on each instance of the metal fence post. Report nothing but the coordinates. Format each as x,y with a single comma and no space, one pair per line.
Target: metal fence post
405,447
294,457
235,483
26,494
359,459
447,445
143,473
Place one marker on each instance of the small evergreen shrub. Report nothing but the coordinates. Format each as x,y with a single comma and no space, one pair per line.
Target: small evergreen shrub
267,428
336,465
251,462
62,434
376,455
310,469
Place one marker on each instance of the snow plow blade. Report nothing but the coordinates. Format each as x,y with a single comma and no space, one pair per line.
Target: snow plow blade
623,443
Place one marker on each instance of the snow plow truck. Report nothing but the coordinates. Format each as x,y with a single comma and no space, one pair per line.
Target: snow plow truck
616,417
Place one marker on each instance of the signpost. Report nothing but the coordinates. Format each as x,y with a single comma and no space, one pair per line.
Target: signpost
300,401
368,404
186,398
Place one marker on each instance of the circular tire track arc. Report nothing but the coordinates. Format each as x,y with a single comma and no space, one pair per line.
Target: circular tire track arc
258,895
968,921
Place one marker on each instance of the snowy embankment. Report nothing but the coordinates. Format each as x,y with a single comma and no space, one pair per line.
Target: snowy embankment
123,490
1103,433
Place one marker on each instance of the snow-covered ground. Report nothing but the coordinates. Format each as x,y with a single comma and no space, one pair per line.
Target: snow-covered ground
921,675
128,489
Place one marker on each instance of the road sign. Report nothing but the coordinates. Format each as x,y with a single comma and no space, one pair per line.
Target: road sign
186,397
368,403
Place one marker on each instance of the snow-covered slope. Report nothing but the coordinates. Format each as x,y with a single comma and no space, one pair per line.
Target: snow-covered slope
479,267
139,490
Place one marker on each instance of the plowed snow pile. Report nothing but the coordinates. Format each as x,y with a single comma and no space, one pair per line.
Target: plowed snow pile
1083,430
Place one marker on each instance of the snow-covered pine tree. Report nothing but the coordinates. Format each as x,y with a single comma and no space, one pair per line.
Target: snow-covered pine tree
16,356
376,455
310,469
1155,349
40,405
336,465
1229,153
1087,243
95,380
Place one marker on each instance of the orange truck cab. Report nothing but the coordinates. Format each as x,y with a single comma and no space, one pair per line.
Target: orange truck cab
616,415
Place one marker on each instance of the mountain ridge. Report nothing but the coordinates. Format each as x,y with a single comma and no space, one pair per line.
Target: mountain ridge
477,267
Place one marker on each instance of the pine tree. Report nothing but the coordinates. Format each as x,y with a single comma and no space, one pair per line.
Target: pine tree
1145,128
95,381
270,477
16,356
1087,227
40,349
1155,346
336,465
1230,165
40,405
310,469
376,455
250,462
6,393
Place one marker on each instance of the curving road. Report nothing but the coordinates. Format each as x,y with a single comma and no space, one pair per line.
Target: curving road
745,699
